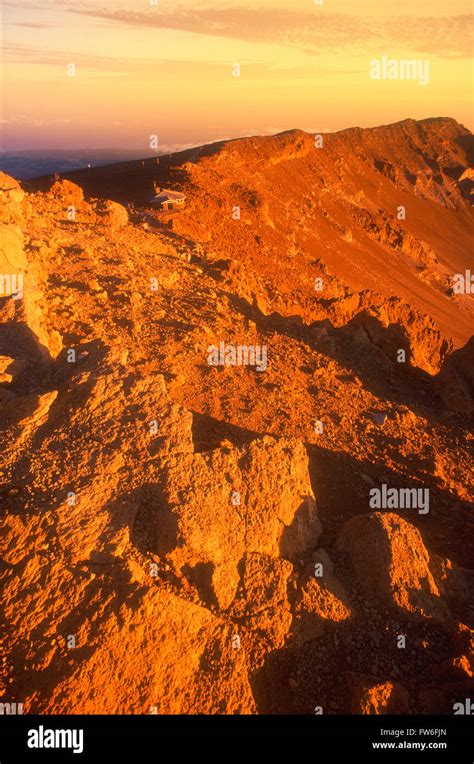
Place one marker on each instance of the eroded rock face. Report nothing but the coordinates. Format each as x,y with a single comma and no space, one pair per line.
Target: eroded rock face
240,501
318,605
391,562
456,585
10,369
199,539
176,674
14,283
455,381
24,284
265,596
428,346
13,262
372,696
168,515
67,192
394,326
10,190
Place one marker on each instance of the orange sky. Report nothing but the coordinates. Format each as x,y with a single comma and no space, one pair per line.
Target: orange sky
166,69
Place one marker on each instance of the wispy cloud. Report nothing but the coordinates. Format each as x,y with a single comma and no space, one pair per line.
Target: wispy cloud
29,54
155,68
444,36
28,24
27,119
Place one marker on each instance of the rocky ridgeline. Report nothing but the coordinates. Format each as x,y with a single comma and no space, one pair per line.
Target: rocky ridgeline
174,538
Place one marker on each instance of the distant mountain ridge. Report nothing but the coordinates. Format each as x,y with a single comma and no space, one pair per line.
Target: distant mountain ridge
334,199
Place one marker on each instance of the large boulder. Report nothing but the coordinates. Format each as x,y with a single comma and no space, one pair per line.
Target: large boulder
391,563
395,326
111,214
230,502
141,650
455,381
10,190
318,604
67,192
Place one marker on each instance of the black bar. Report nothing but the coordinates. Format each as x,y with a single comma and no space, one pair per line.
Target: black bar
140,738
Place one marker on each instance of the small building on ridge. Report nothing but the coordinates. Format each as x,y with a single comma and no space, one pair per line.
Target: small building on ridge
166,199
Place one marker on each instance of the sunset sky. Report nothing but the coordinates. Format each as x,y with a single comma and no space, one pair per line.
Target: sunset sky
166,69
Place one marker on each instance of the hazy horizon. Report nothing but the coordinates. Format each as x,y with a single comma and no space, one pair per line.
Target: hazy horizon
182,147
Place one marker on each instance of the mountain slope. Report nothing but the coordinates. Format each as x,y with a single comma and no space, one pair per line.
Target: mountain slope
336,207
185,536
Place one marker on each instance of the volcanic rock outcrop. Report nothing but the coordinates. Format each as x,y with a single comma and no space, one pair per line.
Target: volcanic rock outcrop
181,536
455,381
